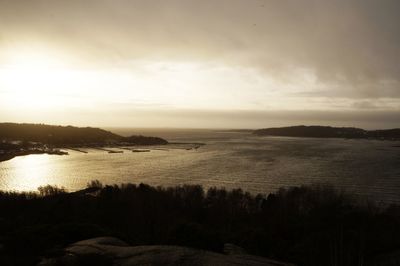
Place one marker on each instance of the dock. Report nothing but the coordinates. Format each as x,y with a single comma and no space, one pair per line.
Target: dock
75,149
107,150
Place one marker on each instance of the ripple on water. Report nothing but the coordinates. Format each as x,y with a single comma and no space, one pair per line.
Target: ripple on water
260,165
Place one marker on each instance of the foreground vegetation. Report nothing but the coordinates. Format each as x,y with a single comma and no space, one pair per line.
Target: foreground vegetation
313,225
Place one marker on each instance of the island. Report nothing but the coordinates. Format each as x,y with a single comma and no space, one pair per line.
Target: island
329,132
23,139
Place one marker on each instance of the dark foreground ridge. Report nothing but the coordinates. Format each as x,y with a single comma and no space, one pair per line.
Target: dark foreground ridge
330,132
312,225
110,251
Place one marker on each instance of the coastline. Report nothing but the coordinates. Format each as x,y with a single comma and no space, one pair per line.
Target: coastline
12,155
133,148
330,132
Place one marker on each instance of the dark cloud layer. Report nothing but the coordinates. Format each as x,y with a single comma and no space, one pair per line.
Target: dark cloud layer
350,44
350,47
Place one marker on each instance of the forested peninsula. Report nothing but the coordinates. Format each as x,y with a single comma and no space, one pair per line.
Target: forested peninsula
330,132
23,139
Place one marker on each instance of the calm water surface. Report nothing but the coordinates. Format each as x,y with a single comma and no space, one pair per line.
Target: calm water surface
231,160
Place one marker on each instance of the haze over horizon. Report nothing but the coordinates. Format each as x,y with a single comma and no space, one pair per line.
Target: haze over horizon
200,64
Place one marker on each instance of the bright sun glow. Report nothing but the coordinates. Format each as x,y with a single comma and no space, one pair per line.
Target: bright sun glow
42,82
34,79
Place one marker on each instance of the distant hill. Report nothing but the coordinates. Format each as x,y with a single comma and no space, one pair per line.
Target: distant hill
67,135
329,132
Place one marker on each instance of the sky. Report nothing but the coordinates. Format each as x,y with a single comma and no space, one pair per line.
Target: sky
200,64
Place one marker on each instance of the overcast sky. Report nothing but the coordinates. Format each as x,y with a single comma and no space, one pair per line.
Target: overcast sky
209,63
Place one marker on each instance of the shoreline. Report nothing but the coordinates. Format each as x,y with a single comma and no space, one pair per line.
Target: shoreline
133,148
9,156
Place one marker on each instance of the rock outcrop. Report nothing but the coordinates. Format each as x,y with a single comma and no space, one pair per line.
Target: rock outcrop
111,251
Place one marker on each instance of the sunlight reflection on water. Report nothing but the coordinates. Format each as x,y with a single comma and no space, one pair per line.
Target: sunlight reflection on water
29,172
369,168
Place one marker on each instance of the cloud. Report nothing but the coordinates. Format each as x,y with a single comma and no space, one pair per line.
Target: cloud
192,118
349,49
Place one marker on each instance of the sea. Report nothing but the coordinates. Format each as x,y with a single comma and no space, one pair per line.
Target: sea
230,159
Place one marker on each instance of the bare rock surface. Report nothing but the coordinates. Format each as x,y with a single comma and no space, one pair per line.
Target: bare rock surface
112,251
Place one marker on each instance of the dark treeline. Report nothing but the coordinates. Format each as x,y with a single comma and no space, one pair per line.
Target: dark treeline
313,225
69,135
329,132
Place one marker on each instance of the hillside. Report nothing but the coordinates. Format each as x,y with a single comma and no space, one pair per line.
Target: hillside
69,135
329,132
301,225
